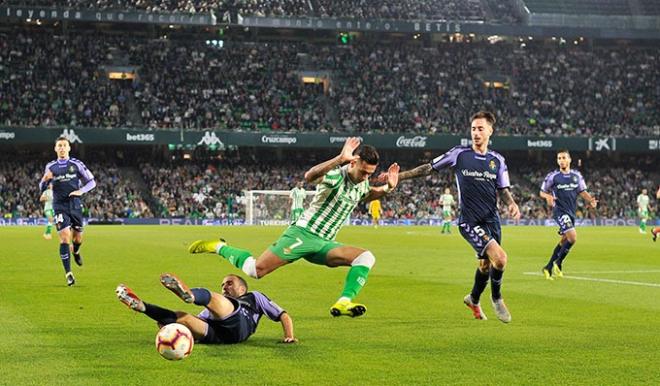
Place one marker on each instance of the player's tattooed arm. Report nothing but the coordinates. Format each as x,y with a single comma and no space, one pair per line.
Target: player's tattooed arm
392,180
507,197
589,199
420,171
316,173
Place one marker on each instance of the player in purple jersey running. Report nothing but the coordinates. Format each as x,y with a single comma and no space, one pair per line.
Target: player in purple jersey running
70,179
480,175
230,317
560,189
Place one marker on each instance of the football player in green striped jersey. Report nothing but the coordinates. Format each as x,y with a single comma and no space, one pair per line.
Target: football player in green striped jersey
297,201
341,183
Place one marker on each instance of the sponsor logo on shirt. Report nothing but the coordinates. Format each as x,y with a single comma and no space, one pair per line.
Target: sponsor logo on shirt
65,177
478,175
567,186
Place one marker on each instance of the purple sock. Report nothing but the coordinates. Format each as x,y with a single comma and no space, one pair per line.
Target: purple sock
202,296
64,255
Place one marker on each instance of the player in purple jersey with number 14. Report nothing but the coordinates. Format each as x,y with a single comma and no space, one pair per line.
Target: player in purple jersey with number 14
70,179
480,175
560,189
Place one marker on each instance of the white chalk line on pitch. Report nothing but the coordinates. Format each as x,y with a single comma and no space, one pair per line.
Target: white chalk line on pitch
639,283
624,272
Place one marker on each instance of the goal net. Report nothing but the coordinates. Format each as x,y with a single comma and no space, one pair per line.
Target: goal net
270,207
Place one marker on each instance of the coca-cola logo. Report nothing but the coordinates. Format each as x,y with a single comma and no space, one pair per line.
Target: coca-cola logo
416,141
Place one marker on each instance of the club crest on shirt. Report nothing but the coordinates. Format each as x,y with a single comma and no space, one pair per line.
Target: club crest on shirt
574,179
492,165
72,169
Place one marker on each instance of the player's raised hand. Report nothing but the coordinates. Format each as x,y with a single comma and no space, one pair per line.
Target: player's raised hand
393,175
350,145
382,177
514,211
593,203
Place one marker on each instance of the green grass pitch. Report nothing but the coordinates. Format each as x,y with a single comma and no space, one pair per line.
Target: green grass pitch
597,326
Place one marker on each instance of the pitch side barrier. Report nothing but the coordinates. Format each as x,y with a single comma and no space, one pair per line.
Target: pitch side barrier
225,139
356,222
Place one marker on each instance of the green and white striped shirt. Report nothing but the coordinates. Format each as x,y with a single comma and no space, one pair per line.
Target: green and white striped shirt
643,202
336,197
297,197
48,204
447,200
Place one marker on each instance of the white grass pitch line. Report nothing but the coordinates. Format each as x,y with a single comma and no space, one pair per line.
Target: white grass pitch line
639,283
624,272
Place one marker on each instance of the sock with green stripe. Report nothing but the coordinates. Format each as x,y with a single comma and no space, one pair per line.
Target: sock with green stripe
239,258
49,228
357,275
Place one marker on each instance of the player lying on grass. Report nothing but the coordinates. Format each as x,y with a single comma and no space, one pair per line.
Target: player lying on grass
339,189
230,317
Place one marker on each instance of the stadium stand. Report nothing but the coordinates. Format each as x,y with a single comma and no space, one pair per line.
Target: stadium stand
584,7
464,10
372,88
215,189
407,9
649,7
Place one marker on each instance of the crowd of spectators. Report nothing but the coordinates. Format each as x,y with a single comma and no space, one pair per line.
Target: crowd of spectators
216,189
533,88
463,10
242,86
182,6
406,9
113,197
546,91
56,81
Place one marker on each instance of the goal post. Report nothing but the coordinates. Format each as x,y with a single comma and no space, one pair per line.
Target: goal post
270,207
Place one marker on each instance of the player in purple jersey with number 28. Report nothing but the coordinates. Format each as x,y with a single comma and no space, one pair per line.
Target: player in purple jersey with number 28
560,189
480,175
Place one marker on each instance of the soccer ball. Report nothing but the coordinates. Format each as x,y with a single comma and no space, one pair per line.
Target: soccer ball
174,342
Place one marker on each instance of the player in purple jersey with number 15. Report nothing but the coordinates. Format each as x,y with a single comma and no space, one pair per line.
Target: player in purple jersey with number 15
70,179
560,190
480,175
